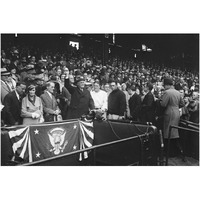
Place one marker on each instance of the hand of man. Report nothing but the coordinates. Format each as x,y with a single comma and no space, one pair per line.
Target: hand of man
66,74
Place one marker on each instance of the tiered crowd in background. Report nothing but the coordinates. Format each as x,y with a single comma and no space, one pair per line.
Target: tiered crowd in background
42,85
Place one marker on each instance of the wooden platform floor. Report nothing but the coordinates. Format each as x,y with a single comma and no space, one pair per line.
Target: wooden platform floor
176,161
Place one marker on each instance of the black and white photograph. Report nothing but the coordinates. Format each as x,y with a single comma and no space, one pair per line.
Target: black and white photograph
97,100
100,99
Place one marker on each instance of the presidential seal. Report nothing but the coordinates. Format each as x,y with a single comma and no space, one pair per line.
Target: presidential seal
57,138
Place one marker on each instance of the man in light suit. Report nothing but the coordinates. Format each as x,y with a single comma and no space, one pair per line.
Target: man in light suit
50,106
5,89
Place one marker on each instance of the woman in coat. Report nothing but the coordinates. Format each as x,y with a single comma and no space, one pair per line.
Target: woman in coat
32,109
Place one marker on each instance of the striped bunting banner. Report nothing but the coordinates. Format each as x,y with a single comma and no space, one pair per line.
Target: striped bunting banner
86,137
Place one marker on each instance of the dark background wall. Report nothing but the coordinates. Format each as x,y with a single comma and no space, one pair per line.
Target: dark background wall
176,50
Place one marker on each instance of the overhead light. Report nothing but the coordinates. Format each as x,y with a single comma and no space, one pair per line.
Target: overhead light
149,50
144,47
113,38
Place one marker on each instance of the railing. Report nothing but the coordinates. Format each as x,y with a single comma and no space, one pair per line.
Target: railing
93,149
196,130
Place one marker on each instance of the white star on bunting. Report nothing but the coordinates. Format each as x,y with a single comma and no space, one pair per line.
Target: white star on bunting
74,147
75,126
36,132
38,155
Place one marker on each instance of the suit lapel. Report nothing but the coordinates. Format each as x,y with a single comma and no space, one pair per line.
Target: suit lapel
17,100
51,100
48,97
5,86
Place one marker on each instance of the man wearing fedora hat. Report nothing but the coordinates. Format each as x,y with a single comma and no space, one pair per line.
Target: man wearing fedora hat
81,99
172,100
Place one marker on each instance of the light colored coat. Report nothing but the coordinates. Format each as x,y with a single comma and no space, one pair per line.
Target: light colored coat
172,101
28,108
4,91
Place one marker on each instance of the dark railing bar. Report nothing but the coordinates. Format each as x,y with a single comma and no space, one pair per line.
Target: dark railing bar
170,129
189,122
71,120
83,150
186,129
41,124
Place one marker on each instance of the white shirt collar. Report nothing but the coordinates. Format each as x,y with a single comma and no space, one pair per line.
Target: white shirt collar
49,94
17,94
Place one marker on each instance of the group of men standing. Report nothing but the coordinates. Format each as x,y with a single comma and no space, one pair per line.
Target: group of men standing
112,105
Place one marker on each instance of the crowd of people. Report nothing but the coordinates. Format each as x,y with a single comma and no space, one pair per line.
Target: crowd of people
43,86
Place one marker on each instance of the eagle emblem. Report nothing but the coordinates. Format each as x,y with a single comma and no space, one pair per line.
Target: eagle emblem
57,138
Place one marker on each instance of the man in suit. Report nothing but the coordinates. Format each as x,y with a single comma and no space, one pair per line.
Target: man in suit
81,99
50,106
12,102
5,89
148,106
134,103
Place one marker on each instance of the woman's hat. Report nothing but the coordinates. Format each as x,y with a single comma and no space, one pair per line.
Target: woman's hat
31,87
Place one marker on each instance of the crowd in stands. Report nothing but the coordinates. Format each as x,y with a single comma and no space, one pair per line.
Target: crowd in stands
40,85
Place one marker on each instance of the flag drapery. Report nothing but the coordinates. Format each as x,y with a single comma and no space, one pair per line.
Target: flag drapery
37,142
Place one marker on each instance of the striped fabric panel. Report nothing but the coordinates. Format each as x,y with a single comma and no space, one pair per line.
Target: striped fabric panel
86,137
19,139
